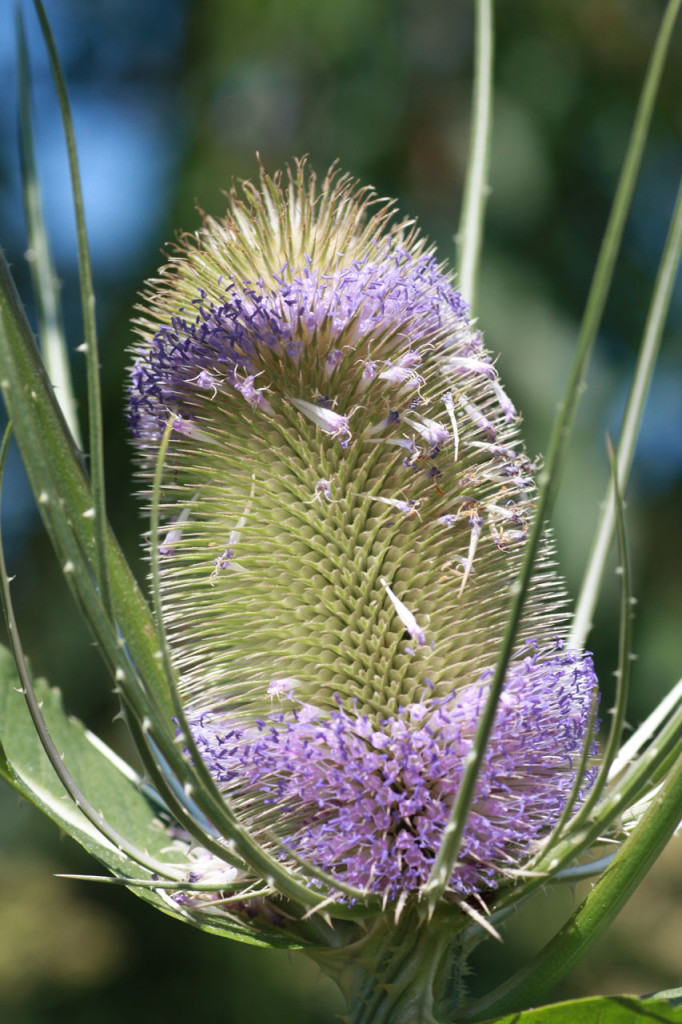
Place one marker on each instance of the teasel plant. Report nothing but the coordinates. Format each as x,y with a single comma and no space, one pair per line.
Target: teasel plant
366,714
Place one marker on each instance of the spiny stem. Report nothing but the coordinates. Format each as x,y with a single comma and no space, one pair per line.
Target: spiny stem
651,342
50,326
89,322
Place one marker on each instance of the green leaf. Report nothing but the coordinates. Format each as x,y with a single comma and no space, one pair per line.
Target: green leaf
25,765
599,1010
110,791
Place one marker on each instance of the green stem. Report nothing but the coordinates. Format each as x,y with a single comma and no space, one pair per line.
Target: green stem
398,973
470,235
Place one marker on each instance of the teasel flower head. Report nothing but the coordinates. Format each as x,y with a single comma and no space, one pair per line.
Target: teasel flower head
364,727
346,501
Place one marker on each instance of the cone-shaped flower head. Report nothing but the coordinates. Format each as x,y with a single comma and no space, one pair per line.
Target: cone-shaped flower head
347,503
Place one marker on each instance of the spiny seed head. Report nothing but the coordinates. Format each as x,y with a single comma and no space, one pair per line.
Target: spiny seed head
347,502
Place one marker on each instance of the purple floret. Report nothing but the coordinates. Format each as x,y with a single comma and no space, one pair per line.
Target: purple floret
390,288
368,802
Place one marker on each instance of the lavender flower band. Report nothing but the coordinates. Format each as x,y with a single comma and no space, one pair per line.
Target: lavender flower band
369,802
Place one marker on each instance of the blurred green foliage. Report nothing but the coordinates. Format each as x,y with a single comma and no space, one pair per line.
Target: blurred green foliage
384,86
